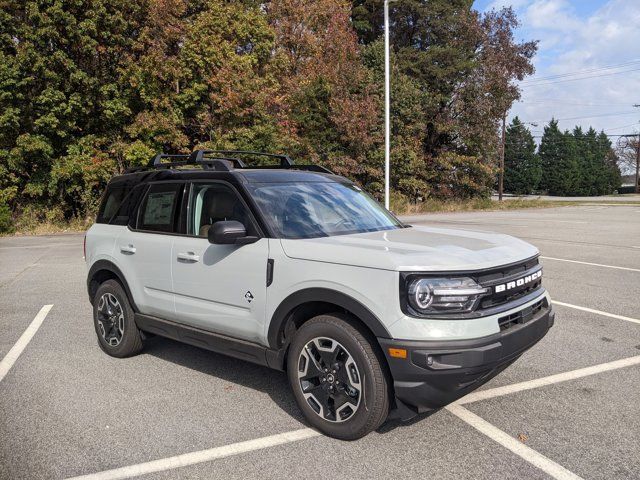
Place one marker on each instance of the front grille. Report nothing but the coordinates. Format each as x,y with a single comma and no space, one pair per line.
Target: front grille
505,275
522,316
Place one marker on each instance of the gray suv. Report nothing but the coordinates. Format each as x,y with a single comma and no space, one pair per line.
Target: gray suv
294,268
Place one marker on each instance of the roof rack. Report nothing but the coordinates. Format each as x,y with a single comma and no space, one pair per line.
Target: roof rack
217,163
221,160
285,160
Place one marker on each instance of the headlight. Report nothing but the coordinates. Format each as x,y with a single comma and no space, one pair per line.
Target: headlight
444,295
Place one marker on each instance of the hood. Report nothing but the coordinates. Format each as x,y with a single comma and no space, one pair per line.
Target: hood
414,249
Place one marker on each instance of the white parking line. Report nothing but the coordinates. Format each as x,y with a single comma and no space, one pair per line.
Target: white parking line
592,264
10,358
526,453
201,456
598,312
550,380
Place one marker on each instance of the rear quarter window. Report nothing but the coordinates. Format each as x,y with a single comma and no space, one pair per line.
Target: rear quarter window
111,203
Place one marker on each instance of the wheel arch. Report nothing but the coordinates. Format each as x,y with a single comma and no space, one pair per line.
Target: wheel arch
104,270
307,303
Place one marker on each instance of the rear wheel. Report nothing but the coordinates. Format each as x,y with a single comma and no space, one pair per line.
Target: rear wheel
114,321
337,378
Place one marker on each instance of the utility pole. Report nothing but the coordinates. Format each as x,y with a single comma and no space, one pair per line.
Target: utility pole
502,142
637,189
637,186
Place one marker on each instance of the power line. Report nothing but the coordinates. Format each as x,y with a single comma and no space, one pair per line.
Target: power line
580,72
557,102
580,139
622,126
588,116
535,84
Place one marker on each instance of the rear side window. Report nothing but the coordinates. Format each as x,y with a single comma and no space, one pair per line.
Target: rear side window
159,208
111,203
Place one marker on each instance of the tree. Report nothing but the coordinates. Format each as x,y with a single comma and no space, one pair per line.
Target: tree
455,68
60,83
522,164
88,89
559,162
609,175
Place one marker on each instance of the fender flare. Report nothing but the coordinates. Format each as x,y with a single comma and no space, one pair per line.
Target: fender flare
281,314
111,267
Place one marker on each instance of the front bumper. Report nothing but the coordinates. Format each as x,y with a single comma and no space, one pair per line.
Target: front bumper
436,373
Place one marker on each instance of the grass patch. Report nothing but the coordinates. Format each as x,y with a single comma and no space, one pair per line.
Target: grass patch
431,206
27,226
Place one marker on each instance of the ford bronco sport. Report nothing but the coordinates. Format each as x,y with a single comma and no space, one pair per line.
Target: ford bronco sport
297,269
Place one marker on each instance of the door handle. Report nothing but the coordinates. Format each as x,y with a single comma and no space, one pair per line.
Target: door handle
188,257
128,249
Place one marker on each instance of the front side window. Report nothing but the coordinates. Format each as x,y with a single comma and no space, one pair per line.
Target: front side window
159,208
308,210
214,202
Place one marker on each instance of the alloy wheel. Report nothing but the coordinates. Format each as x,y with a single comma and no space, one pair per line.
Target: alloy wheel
110,319
330,380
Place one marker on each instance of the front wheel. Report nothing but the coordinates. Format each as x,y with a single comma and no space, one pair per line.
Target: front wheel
337,379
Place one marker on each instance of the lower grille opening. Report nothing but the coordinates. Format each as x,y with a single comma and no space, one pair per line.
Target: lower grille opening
522,316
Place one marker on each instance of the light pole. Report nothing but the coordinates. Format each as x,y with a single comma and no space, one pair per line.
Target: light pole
387,102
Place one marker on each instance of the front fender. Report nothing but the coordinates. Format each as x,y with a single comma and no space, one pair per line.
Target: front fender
325,295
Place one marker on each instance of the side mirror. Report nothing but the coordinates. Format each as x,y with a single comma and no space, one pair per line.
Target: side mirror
229,232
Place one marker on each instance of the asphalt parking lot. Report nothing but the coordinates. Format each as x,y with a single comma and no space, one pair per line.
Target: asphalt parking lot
568,408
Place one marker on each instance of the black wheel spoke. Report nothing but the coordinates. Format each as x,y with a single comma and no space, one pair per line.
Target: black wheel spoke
340,398
328,358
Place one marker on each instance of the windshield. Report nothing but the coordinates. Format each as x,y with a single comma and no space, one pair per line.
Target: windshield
308,210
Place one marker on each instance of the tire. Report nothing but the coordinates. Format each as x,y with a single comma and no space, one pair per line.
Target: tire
118,334
351,397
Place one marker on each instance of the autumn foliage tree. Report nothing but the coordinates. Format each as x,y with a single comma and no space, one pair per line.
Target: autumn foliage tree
88,89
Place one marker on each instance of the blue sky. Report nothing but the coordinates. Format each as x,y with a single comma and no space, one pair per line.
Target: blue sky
592,49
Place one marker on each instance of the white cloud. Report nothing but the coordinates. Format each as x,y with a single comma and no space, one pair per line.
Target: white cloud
569,43
551,15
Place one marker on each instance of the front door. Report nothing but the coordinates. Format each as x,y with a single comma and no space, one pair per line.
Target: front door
220,288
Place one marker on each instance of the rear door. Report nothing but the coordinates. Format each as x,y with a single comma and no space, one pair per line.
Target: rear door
220,288
143,250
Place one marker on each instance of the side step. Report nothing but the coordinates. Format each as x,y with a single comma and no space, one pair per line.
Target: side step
233,347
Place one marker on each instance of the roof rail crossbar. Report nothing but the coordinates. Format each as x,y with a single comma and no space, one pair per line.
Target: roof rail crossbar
285,160
218,163
220,160
202,157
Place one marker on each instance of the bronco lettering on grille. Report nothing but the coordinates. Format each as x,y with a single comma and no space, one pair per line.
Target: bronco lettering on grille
518,283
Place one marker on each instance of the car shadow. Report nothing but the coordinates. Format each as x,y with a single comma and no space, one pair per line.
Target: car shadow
392,424
232,370
247,374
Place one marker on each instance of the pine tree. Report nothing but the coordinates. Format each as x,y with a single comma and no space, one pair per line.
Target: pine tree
608,166
522,169
559,161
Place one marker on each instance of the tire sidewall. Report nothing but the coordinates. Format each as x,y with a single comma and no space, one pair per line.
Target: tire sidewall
356,426
131,341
